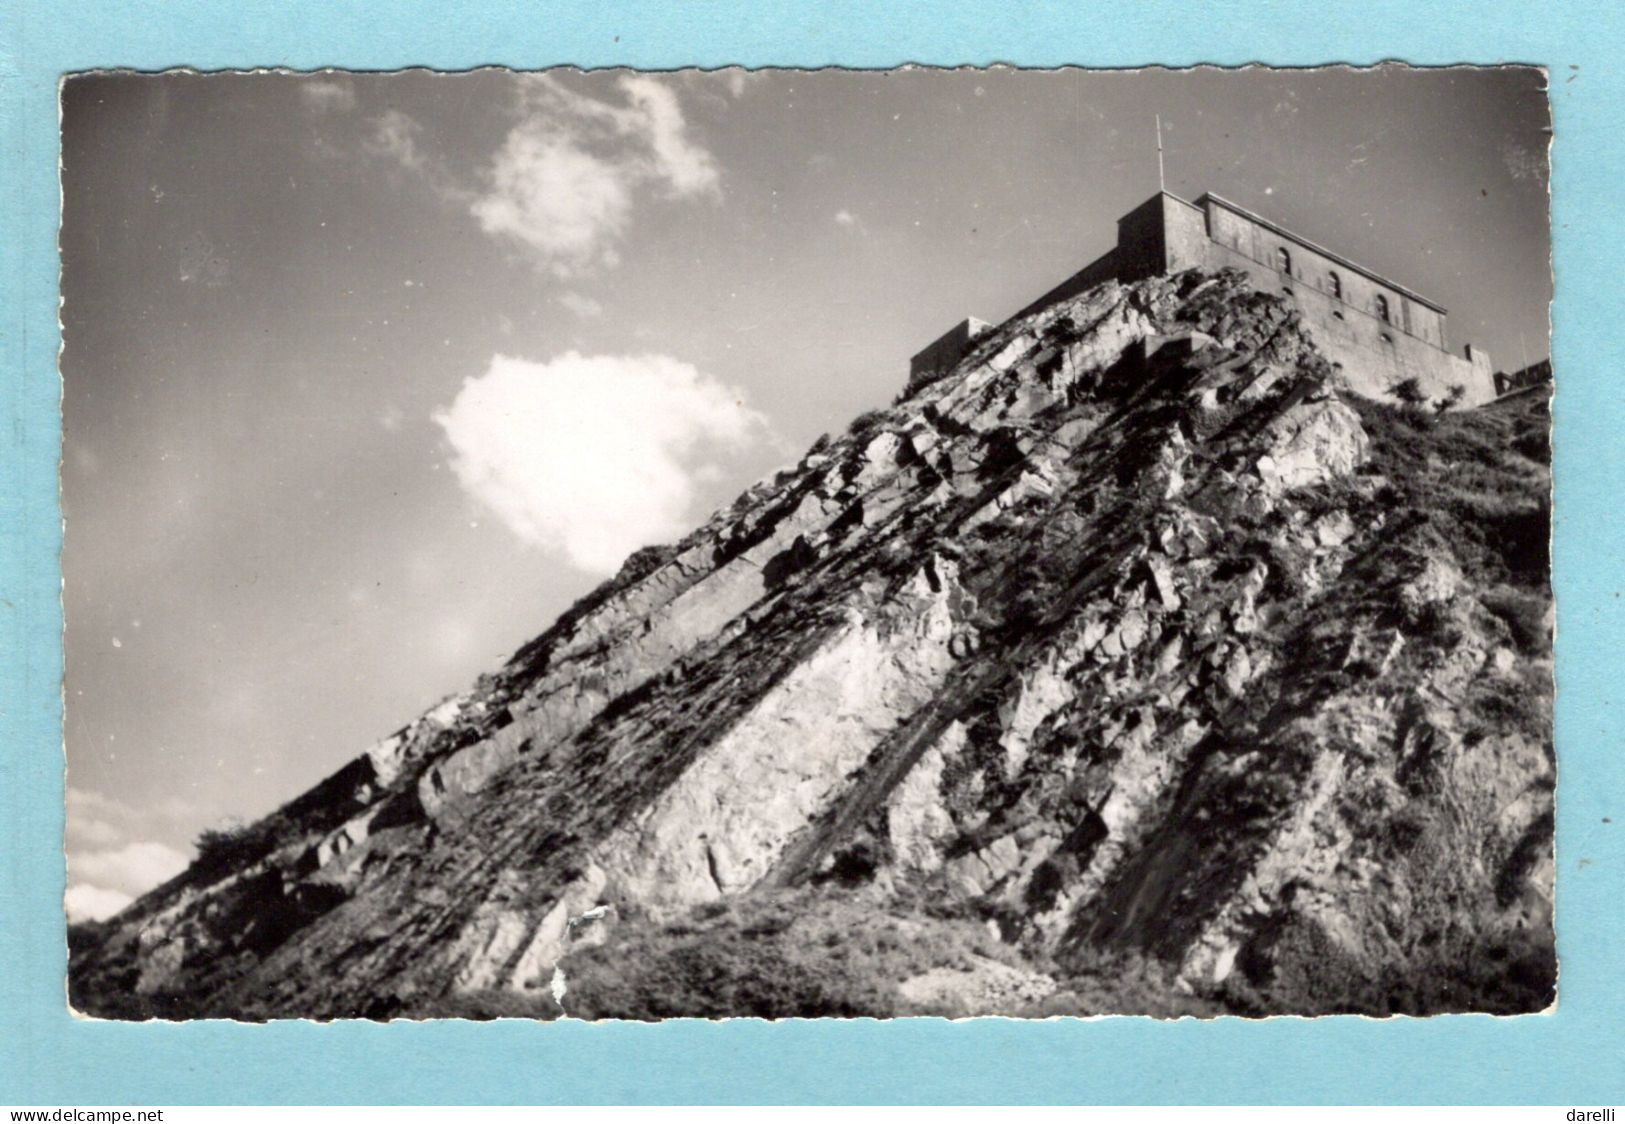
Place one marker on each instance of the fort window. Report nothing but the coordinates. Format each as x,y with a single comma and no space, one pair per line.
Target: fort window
1283,260
1334,285
1382,310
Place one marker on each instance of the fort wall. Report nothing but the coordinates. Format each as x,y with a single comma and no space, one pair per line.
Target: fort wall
938,356
1380,332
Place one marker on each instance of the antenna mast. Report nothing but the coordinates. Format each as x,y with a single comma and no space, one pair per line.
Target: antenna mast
1161,183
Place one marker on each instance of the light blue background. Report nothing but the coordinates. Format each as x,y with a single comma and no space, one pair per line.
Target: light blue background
1576,1056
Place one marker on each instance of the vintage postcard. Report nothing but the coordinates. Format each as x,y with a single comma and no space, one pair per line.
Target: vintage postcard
627,545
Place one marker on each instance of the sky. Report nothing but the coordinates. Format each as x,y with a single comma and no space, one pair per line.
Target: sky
368,377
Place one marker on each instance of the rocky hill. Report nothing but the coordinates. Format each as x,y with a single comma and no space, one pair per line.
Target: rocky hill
1131,666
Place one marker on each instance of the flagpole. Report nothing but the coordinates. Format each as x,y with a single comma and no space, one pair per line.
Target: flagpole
1162,185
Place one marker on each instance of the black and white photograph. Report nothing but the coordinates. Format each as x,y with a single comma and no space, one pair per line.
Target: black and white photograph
635,545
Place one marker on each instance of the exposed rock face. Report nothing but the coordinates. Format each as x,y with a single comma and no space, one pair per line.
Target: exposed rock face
1133,646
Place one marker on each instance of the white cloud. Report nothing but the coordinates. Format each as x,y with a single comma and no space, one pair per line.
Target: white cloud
92,903
96,821
843,217
111,855
565,182
581,304
657,120
92,833
739,80
399,137
569,174
396,134
327,95
594,456
562,202
86,804
133,868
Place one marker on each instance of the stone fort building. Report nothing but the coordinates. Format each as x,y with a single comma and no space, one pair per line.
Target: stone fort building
1381,332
